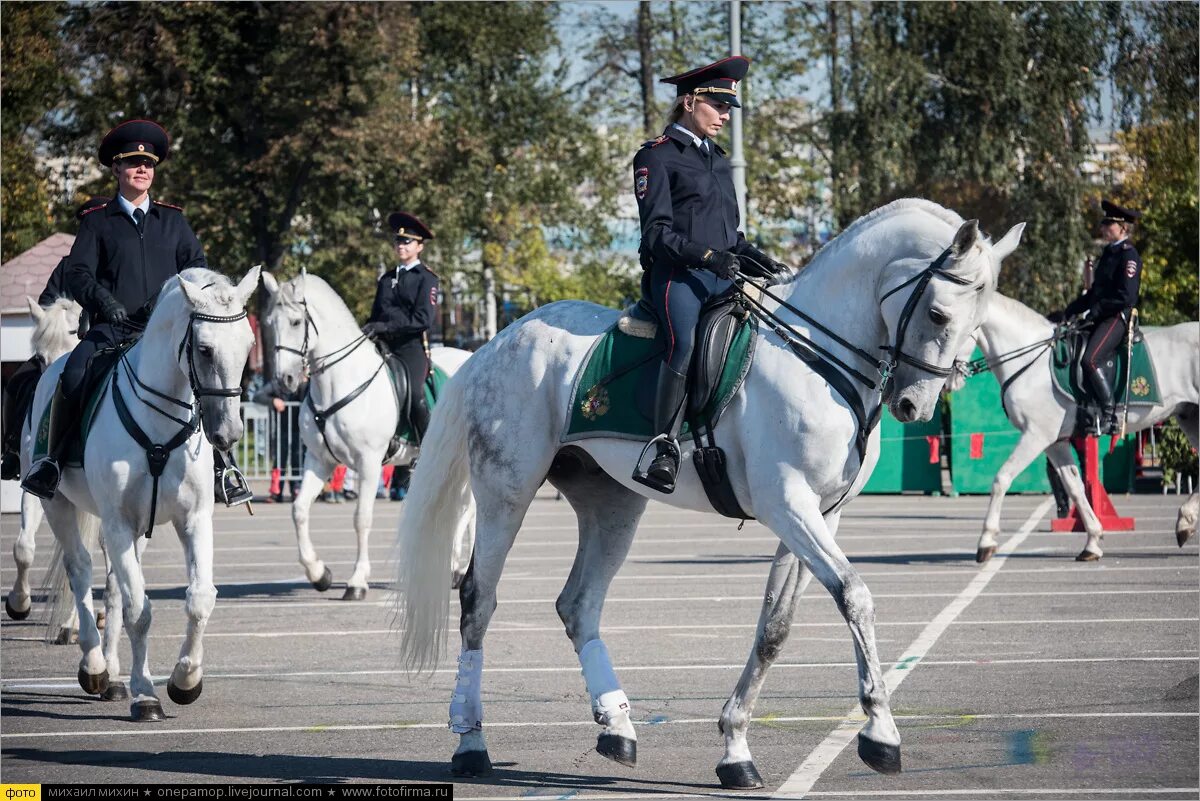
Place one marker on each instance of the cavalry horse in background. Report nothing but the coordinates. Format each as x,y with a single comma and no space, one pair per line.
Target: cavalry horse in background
55,333
1017,343
145,462
349,416
911,275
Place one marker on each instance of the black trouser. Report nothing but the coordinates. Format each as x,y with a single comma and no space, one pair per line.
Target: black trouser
18,396
100,337
677,297
1106,337
411,353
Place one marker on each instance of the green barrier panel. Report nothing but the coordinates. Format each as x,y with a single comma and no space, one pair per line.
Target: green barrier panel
904,457
981,439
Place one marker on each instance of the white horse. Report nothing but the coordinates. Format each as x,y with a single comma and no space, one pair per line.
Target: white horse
1046,419
315,335
191,355
56,332
790,441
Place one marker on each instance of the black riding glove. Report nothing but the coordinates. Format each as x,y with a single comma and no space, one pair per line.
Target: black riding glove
722,263
374,329
1056,316
112,310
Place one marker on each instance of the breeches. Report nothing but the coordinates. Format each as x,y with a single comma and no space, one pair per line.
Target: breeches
416,367
677,297
1105,339
100,337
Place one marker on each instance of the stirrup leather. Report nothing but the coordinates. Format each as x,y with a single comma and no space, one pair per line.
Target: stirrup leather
642,476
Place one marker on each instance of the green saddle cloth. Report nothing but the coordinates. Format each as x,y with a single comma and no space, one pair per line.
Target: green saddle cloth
74,457
433,387
1143,384
614,389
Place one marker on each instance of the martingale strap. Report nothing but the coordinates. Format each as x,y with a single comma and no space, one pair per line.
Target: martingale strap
157,455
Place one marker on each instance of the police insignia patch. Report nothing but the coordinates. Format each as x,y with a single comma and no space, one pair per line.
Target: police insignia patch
433,295
595,403
1131,268
641,182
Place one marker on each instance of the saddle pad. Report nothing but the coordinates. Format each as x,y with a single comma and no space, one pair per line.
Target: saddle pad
74,456
1143,384
620,368
433,387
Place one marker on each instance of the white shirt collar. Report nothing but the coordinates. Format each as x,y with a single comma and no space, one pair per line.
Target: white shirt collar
409,266
695,139
128,207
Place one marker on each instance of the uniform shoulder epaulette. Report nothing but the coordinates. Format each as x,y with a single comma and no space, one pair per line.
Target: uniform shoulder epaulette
168,205
430,269
1127,246
655,142
86,212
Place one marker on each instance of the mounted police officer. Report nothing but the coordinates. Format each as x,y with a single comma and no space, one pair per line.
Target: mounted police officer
402,314
691,249
1109,302
123,253
19,389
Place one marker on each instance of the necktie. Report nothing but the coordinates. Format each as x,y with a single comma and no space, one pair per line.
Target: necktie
139,217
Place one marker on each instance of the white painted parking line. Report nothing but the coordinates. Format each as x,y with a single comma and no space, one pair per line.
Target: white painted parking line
810,770
322,729
616,629
68,682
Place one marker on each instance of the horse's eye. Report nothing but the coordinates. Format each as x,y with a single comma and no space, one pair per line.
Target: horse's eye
295,323
938,318
206,351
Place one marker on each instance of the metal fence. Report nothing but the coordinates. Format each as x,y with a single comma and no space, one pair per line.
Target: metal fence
271,439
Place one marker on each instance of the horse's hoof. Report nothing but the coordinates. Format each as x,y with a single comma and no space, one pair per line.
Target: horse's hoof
1181,537
1087,556
354,594
93,684
15,614
471,763
739,776
147,712
879,757
100,620
984,554
325,581
66,636
184,697
115,691
617,748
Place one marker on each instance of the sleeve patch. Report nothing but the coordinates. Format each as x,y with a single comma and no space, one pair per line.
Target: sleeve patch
1131,268
641,182
433,296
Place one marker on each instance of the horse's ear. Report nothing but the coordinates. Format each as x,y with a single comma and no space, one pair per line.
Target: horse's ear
1004,248
248,284
965,239
270,284
193,292
37,311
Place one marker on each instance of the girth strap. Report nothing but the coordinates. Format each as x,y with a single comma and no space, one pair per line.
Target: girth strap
156,454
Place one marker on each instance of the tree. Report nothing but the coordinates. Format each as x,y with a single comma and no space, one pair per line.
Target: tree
36,79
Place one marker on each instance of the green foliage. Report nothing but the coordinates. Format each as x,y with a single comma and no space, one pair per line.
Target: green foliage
1175,453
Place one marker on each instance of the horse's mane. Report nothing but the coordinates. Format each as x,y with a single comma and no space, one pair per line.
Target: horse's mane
895,207
316,291
53,330
1017,309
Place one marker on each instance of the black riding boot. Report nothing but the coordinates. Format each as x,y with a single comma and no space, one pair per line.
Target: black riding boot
44,475
668,419
1104,397
418,415
229,487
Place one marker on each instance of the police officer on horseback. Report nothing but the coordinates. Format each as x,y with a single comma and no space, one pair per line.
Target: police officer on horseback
402,314
124,251
691,249
1108,303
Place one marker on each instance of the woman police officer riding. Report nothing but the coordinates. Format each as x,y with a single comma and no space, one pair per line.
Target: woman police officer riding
690,244
123,253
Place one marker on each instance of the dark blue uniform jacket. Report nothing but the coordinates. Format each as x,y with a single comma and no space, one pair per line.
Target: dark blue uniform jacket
110,257
405,301
1115,283
686,201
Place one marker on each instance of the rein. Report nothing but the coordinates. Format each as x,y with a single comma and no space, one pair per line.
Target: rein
984,365
157,454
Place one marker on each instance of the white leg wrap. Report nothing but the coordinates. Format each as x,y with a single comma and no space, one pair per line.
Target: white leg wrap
608,699
466,705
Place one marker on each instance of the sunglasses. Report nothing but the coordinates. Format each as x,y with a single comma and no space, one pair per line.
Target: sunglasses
404,240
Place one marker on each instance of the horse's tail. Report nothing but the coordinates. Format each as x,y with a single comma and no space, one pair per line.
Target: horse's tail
60,600
438,511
